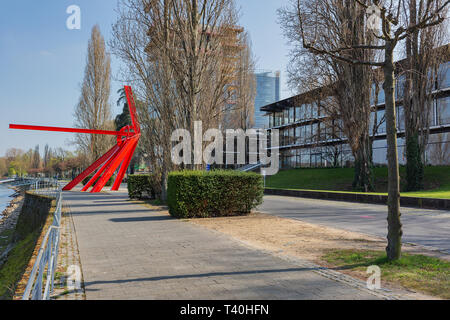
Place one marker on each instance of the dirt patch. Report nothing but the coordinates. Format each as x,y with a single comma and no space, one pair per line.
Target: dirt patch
301,239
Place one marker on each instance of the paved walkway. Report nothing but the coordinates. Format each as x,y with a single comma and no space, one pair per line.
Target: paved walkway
128,251
429,228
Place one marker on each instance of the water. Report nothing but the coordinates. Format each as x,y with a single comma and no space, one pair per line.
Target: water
4,197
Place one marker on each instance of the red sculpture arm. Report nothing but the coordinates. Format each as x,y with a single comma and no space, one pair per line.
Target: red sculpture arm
75,130
132,108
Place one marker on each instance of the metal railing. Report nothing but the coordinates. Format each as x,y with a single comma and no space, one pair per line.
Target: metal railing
40,283
250,167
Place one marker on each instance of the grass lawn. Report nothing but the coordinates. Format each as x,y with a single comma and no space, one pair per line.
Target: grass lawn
5,239
417,272
437,180
12,270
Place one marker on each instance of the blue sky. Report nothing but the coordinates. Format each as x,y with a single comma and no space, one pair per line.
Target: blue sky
42,62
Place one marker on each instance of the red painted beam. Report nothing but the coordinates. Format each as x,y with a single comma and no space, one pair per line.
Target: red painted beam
91,168
132,108
124,167
100,171
118,159
74,130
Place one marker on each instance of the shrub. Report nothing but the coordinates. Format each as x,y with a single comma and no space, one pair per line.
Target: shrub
108,184
145,184
200,194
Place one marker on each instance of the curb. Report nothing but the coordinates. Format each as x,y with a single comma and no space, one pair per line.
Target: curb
423,203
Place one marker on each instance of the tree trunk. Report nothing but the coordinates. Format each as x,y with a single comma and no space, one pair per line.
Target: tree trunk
164,177
414,165
363,180
394,236
413,108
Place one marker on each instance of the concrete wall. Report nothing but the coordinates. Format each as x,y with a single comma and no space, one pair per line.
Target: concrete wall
35,211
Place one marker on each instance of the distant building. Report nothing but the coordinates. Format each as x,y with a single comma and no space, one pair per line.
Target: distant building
267,92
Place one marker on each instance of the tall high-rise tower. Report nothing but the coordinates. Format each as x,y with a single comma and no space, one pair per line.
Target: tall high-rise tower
267,92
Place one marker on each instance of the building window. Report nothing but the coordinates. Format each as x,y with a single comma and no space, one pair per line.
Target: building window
325,131
444,76
298,135
271,120
326,105
293,159
443,111
314,111
277,119
306,111
292,136
381,121
400,119
291,115
372,95
307,135
298,159
381,97
314,132
400,87
316,160
306,161
338,127
303,133
298,116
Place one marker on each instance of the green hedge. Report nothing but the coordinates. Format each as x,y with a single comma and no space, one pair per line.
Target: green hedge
201,194
108,184
141,185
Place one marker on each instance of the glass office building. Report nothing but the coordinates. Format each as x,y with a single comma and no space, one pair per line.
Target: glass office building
267,92
310,138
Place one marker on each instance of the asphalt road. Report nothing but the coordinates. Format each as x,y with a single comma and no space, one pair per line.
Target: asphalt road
429,228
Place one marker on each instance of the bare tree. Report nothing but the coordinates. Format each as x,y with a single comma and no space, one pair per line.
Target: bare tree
336,24
36,161
3,167
93,111
176,58
392,32
142,39
242,92
47,156
423,58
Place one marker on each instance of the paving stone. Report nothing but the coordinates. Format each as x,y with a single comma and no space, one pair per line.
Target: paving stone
130,252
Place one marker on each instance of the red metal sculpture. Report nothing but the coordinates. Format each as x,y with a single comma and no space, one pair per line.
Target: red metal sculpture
118,156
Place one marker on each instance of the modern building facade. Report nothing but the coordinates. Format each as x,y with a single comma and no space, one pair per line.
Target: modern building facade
309,138
267,92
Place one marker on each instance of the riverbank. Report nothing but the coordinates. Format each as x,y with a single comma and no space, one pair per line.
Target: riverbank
8,220
27,225
5,196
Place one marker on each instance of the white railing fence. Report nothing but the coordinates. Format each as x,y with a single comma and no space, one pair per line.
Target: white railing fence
41,280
